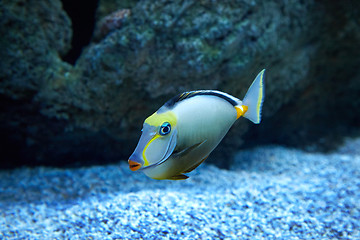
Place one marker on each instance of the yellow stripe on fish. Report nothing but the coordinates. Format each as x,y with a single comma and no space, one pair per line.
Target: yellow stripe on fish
156,119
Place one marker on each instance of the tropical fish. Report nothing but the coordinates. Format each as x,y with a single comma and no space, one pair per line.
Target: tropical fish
179,136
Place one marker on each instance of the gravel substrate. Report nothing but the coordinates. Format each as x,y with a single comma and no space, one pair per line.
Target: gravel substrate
270,192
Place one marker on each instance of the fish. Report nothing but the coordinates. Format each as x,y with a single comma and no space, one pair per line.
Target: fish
182,133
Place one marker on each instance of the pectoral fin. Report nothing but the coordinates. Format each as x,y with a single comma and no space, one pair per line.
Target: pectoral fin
196,165
185,151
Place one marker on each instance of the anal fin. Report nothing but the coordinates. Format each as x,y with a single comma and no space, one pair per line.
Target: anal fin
196,165
178,177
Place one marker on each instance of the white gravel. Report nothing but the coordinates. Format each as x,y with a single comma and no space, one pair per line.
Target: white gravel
270,192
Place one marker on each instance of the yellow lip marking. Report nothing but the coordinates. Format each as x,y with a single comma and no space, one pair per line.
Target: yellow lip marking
240,110
143,153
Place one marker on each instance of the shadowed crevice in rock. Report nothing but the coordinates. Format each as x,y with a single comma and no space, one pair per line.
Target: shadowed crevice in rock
82,16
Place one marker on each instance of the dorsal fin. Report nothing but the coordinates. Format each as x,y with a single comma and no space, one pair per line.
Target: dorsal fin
186,95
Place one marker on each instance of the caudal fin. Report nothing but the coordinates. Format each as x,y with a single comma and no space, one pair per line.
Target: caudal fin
254,99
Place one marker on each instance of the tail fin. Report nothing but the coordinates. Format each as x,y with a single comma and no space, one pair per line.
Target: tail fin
254,99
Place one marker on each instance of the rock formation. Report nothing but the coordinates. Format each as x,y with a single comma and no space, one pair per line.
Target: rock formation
144,52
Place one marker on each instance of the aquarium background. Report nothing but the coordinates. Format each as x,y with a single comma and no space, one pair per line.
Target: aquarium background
77,81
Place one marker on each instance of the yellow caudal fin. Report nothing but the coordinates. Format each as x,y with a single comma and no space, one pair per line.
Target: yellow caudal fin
254,99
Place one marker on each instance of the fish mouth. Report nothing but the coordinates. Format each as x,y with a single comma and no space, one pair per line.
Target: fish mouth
134,166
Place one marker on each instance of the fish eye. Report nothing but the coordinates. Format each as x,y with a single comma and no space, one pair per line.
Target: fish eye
165,129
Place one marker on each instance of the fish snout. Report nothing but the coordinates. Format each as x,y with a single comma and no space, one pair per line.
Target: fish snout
134,165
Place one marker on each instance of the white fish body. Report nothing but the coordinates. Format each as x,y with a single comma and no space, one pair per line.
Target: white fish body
195,123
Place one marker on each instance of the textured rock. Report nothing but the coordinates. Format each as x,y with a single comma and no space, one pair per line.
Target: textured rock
34,34
325,105
106,7
94,110
32,38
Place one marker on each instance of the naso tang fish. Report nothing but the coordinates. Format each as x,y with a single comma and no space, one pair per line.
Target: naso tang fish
179,136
